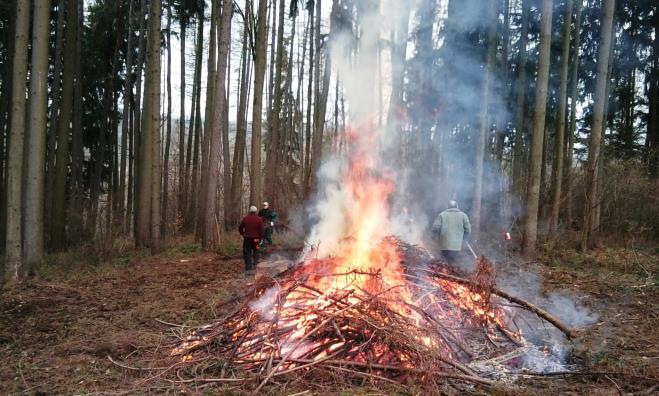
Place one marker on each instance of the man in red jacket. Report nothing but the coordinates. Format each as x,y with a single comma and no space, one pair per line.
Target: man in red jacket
251,228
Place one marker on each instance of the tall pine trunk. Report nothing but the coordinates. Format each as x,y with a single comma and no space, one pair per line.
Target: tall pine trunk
211,237
483,116
53,113
36,136
257,106
592,167
238,163
559,149
574,93
125,124
58,223
14,269
75,206
183,175
306,183
535,166
168,127
147,231
272,160
520,106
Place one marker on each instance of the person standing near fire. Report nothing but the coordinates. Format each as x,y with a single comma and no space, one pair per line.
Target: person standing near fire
269,218
452,226
252,229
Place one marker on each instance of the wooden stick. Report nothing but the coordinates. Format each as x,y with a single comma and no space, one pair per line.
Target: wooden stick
536,310
300,341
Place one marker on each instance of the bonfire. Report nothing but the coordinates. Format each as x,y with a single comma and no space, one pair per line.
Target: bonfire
375,307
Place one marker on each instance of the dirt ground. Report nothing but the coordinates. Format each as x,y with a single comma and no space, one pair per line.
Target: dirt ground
58,330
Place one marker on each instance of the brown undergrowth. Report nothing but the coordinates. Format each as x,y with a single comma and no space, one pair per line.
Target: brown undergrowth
58,328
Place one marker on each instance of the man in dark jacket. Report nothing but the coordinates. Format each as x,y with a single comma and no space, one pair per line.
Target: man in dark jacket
251,228
269,218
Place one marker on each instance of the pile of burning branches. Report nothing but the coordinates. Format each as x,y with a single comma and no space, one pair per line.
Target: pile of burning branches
401,317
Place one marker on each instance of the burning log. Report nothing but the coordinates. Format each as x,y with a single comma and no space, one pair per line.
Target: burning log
570,333
378,321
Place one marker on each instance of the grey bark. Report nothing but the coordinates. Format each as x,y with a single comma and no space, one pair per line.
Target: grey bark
36,136
520,105
168,127
125,123
535,168
238,164
14,269
211,237
557,172
272,160
58,237
257,106
574,92
53,114
483,116
594,149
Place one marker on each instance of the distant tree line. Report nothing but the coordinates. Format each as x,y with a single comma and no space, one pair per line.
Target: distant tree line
526,111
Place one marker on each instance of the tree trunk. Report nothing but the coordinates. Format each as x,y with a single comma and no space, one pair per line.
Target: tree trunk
53,114
315,149
520,105
14,243
574,96
96,178
211,237
241,131
58,223
483,116
36,136
226,149
272,160
165,169
535,168
153,129
147,231
188,188
75,206
183,175
137,131
271,74
557,171
257,106
125,124
306,183
399,37
652,136
594,149
208,120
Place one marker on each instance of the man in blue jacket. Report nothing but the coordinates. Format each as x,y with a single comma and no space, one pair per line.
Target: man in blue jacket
452,226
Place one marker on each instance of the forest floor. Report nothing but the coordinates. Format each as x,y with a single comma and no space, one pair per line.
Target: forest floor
58,329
